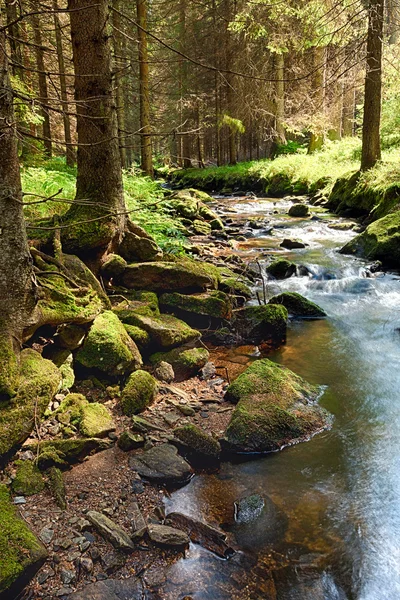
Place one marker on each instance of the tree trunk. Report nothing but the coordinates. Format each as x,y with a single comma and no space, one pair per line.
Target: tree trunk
119,90
13,38
16,288
319,65
145,127
371,143
97,218
69,153
280,98
43,93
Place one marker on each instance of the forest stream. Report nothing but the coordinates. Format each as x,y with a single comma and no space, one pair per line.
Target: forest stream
329,520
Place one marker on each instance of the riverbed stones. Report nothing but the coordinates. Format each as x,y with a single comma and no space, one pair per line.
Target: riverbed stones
168,536
380,241
275,407
165,276
109,348
198,442
298,210
265,323
166,331
185,361
290,244
298,306
111,589
130,441
21,552
111,531
139,391
162,464
201,533
249,508
281,269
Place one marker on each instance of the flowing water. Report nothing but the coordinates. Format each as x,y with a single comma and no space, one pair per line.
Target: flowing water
330,528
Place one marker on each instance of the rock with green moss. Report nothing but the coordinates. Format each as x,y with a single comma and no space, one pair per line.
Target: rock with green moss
109,348
39,381
139,303
281,269
84,275
201,227
28,479
275,407
128,441
93,420
214,304
217,225
162,276
136,248
113,267
299,210
198,442
57,487
265,323
139,336
186,362
165,331
64,360
298,306
380,241
234,285
70,410
139,391
196,194
70,336
63,453
21,553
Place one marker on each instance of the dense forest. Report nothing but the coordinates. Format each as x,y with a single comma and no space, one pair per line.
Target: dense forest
192,196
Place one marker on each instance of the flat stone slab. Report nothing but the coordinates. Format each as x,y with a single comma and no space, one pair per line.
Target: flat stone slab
112,589
168,536
162,464
111,531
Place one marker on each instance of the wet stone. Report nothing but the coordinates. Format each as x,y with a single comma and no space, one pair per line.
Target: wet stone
168,536
162,464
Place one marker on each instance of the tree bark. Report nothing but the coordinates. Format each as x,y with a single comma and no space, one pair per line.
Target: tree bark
69,153
371,143
144,92
319,64
43,92
119,92
99,223
16,286
280,98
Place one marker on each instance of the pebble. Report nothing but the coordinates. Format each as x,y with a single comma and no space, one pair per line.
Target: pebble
204,414
46,535
89,536
44,575
86,564
19,500
27,455
67,576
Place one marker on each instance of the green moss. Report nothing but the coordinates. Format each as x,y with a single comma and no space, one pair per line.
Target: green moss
380,241
201,227
165,331
70,409
113,266
176,274
213,304
138,335
198,441
139,392
281,269
130,441
265,323
186,362
297,305
139,303
108,347
28,479
62,453
20,551
57,487
39,381
96,420
9,368
64,360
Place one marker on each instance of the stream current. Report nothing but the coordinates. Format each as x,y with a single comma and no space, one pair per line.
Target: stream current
330,527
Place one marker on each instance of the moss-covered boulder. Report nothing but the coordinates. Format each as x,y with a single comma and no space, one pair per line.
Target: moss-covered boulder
39,381
139,391
70,336
380,241
21,553
201,227
136,248
63,453
165,331
128,441
281,269
186,275
195,194
298,306
113,266
93,420
298,210
64,360
198,442
28,479
186,362
265,323
140,303
275,407
139,336
214,304
57,487
109,348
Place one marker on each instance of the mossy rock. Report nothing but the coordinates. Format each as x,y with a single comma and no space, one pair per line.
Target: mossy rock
187,207
165,331
186,362
196,194
265,323
21,553
281,269
109,348
275,407
39,381
298,306
139,303
217,224
128,441
28,479
63,453
113,266
57,487
198,441
93,420
85,276
233,284
136,248
139,391
162,276
299,211
64,360
213,304
380,241
70,336
201,227
70,410
139,336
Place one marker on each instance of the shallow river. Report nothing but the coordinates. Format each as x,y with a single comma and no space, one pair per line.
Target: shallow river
331,524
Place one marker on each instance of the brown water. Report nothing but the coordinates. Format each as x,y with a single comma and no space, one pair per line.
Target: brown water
330,528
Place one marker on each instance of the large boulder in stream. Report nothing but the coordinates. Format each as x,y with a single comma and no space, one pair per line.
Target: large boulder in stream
299,210
275,408
184,275
298,306
281,269
21,553
380,241
265,323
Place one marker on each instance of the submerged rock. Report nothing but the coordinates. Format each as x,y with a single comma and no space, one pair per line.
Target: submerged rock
162,464
380,241
200,533
299,210
249,508
265,323
275,407
108,347
298,306
111,589
21,552
168,536
139,392
186,362
281,269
